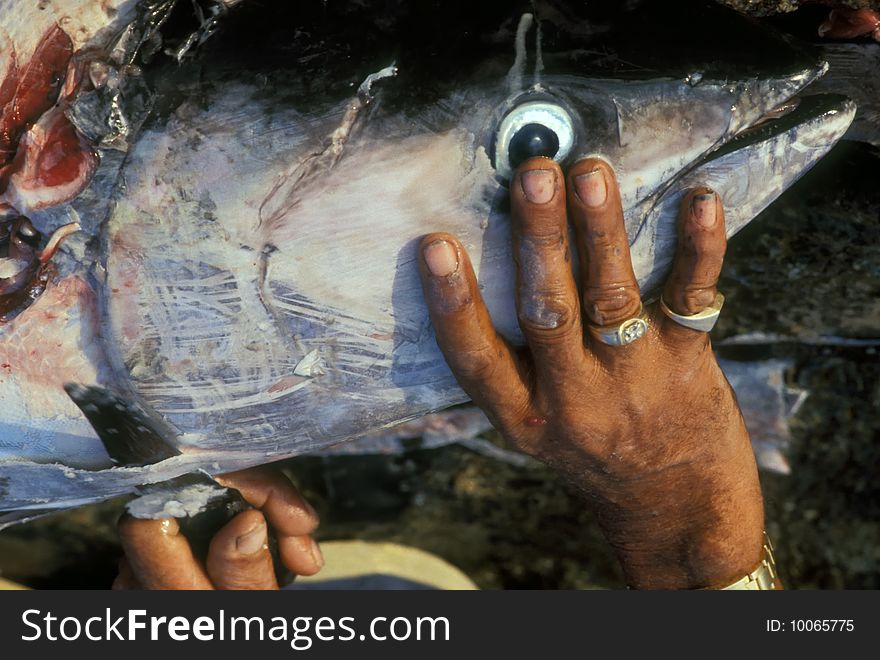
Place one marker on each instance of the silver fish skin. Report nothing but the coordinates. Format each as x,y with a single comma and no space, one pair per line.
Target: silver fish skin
254,280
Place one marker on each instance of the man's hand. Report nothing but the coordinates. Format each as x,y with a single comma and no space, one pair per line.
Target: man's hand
158,556
649,432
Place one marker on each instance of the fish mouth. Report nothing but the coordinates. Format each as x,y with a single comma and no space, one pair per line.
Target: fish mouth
797,111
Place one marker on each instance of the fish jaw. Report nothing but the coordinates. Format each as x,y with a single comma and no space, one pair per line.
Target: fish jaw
855,72
748,175
651,131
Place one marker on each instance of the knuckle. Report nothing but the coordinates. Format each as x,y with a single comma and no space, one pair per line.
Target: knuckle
540,232
546,314
277,485
689,297
449,296
607,246
513,419
606,304
477,364
696,300
306,519
135,531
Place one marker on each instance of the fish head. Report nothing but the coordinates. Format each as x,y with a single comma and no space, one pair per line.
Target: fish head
637,84
254,281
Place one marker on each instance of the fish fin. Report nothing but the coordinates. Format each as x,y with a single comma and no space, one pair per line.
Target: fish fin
130,435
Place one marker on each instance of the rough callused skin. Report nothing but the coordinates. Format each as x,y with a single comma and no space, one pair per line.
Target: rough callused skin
650,432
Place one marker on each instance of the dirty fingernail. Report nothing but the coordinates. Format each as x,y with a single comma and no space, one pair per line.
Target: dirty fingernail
441,258
252,541
591,188
703,209
539,186
316,553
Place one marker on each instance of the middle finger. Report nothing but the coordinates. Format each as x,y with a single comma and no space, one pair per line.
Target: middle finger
611,292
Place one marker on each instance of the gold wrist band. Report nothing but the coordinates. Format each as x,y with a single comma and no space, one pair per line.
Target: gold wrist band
763,578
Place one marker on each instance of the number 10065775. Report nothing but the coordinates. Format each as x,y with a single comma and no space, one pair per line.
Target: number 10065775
811,625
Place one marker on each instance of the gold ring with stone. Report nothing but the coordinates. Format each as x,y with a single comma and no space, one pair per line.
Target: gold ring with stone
625,333
701,321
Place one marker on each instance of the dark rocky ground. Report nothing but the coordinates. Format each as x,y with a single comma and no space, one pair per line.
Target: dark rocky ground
809,266
769,7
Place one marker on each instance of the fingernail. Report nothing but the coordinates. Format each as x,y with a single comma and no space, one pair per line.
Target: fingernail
317,555
441,258
591,188
539,186
252,541
703,209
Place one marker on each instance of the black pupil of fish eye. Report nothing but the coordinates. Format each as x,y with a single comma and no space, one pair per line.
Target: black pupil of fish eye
530,141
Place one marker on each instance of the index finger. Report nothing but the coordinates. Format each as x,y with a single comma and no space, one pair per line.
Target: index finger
483,363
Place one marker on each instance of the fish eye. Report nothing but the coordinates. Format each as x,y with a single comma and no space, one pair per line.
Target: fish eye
537,128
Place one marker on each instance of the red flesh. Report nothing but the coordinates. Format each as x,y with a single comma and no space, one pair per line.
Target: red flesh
850,24
37,88
43,159
53,164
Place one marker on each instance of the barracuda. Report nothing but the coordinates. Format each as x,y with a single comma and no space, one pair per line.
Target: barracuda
245,271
